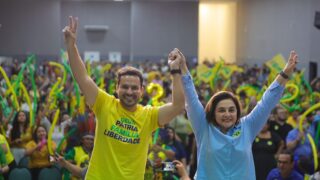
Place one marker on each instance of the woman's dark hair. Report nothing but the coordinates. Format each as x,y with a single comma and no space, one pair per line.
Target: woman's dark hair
34,134
15,131
174,133
213,102
129,71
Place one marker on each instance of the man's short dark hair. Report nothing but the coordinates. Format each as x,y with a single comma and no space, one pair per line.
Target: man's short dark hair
287,152
129,71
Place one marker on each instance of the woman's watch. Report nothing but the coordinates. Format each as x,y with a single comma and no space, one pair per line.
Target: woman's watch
284,75
175,71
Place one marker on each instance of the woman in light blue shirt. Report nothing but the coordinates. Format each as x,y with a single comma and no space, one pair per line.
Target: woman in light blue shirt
223,138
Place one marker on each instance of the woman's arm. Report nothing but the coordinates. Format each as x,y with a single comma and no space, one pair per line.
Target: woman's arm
75,170
30,150
284,76
293,139
194,108
259,115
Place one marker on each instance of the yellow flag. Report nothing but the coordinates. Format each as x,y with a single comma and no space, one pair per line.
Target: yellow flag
227,70
277,63
204,73
215,72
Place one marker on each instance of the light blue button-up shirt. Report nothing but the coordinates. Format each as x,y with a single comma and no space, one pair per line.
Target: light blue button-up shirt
227,156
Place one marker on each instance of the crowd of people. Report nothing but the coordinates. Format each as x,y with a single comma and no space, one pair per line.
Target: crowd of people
129,120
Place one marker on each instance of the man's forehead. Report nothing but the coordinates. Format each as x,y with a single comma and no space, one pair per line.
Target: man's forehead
284,157
129,80
129,77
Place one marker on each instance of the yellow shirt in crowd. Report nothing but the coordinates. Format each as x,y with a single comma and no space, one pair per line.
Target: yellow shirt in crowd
9,156
39,158
121,140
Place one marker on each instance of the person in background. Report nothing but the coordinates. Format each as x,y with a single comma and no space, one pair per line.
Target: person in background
74,169
265,148
20,135
38,151
285,170
176,146
80,155
181,170
293,118
280,125
299,144
182,127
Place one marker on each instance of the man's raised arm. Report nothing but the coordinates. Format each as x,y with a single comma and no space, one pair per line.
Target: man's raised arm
87,85
169,111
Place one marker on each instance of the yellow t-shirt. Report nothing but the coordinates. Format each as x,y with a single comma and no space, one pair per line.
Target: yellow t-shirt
9,156
81,157
121,140
25,138
39,159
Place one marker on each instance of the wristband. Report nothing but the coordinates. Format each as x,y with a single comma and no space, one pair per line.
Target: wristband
175,71
284,75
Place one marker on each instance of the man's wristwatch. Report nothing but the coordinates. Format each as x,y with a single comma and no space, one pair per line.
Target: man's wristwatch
175,71
284,75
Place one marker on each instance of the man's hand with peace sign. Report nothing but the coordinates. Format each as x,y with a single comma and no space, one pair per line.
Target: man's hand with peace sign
86,84
70,31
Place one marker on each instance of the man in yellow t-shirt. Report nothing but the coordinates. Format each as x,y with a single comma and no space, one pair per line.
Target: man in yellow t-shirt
124,127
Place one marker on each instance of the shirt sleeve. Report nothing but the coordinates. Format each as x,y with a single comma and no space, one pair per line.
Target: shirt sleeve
31,145
256,119
292,135
155,118
194,108
100,102
97,103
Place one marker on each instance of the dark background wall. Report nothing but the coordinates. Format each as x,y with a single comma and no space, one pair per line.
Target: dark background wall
29,27
266,28
158,27
115,15
138,30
